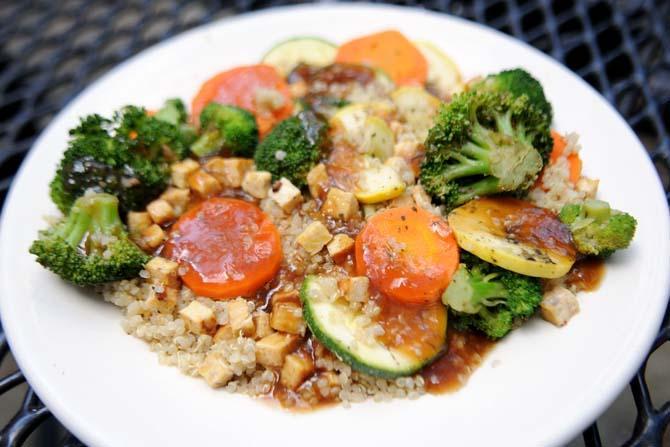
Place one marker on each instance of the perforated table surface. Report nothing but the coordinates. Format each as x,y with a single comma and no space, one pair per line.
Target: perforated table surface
51,50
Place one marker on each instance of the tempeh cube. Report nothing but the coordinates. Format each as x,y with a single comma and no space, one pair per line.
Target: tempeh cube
257,183
203,183
340,246
160,211
138,221
285,194
163,271
178,198
287,317
224,332
272,349
152,236
229,171
340,204
314,237
199,318
295,370
262,325
559,305
215,370
181,170
317,180
240,318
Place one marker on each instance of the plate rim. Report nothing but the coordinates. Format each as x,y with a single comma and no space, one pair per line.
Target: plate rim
72,421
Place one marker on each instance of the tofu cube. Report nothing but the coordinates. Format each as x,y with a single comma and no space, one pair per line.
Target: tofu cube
160,211
340,204
285,194
559,305
199,318
203,183
229,171
163,302
287,317
152,236
262,325
163,271
340,246
138,222
295,371
355,289
239,317
314,237
215,370
285,297
178,198
224,332
257,183
181,170
317,180
272,349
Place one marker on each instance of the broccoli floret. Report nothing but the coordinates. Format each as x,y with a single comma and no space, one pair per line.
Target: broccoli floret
519,82
165,134
597,229
489,299
292,148
90,246
481,144
102,157
226,128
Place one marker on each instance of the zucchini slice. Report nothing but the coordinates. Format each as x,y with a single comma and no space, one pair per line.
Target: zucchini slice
340,329
287,55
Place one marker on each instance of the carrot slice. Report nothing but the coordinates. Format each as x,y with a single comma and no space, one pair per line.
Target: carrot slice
409,254
239,86
390,51
229,248
574,162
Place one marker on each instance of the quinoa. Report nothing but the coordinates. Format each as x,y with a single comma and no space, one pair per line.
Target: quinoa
168,335
555,188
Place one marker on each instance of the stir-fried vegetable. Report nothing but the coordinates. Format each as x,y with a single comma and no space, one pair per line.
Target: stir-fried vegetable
408,254
482,144
90,246
514,235
390,51
256,88
597,229
224,260
487,298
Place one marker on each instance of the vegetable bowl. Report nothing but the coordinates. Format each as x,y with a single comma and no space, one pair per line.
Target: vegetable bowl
328,225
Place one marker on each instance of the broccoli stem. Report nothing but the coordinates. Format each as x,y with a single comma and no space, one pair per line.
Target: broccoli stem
76,227
98,213
483,187
467,168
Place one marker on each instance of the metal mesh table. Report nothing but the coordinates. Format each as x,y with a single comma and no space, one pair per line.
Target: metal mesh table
50,51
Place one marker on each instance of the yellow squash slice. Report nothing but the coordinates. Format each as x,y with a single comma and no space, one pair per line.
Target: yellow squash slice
514,235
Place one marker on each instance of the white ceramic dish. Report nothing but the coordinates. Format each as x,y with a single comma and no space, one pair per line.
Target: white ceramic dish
540,386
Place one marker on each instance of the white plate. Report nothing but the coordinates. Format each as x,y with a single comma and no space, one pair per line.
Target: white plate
547,383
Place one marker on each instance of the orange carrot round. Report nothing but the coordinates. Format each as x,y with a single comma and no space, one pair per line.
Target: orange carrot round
409,254
228,247
390,51
239,86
